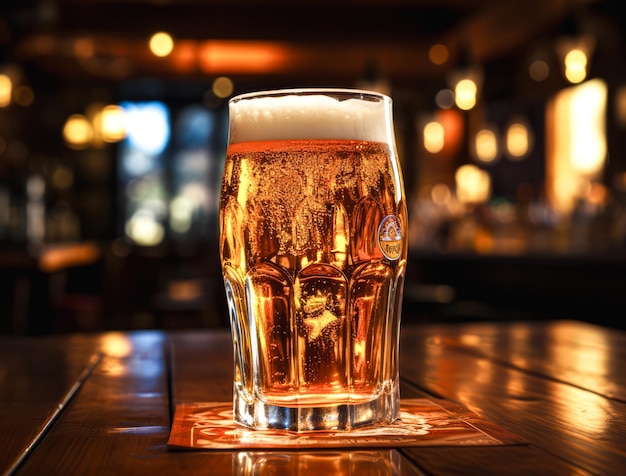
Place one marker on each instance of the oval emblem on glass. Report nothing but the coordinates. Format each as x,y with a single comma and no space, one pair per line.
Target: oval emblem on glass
390,237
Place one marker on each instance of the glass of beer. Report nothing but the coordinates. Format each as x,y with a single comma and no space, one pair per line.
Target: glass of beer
313,245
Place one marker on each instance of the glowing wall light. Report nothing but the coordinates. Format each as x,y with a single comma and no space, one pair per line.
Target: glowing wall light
587,123
236,56
576,141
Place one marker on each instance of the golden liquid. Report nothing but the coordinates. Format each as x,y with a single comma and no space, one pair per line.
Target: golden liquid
314,304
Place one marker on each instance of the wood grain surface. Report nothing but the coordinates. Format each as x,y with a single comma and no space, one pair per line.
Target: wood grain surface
103,403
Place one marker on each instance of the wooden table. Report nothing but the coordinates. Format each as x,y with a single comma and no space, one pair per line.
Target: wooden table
103,404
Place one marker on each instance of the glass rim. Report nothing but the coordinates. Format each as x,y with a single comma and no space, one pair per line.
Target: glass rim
349,93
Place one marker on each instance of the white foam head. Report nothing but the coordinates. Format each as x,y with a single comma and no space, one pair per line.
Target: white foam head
316,114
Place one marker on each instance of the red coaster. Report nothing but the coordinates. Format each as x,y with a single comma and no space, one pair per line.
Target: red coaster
423,422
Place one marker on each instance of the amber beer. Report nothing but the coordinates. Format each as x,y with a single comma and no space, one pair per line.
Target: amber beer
313,245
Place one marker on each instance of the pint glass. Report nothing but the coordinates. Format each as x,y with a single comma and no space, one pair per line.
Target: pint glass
313,225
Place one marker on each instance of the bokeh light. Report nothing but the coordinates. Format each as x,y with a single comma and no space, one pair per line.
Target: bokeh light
161,44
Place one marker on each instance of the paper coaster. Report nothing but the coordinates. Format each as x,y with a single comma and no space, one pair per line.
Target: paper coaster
424,422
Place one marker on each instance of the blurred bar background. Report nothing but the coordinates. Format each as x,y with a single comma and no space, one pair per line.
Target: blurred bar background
510,120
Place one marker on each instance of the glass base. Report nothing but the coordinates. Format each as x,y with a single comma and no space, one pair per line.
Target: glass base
343,417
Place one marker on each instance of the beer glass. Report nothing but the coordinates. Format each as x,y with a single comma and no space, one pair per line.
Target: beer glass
313,225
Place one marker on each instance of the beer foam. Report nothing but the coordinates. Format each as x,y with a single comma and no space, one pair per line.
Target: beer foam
310,116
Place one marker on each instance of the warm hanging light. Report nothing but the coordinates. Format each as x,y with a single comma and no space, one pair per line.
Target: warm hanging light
575,56
519,139
486,145
575,49
466,80
465,93
434,137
